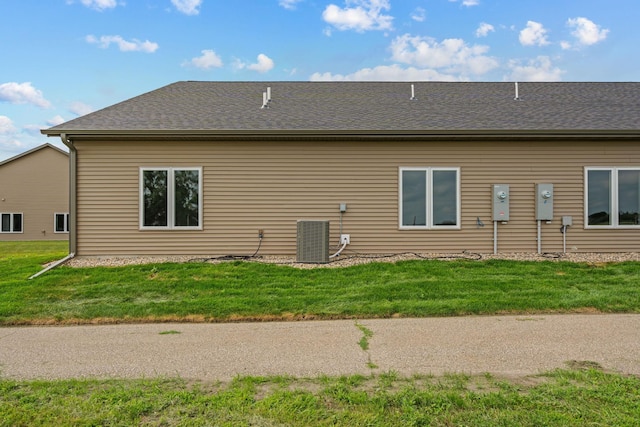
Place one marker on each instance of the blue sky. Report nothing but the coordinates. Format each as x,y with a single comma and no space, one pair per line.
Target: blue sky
64,58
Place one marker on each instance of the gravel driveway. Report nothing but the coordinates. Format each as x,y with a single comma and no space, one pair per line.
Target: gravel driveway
501,345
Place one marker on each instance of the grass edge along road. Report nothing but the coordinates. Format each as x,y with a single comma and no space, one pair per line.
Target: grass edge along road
577,396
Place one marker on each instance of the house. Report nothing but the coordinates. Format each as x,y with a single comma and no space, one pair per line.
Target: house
34,195
207,168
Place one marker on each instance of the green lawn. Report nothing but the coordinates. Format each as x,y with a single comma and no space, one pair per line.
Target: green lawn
240,290
560,398
577,396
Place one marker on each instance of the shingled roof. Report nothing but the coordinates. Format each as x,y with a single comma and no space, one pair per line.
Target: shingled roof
368,107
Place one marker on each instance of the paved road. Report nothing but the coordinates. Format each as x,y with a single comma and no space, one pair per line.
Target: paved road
502,345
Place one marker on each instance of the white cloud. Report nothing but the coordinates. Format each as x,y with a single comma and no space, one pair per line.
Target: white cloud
468,3
424,59
99,5
22,93
6,126
263,65
33,130
586,31
54,121
453,55
534,35
208,60
387,73
484,29
80,108
565,45
419,14
10,145
134,45
15,140
535,70
359,15
289,4
188,7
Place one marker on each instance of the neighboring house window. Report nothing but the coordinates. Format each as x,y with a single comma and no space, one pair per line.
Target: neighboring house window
612,197
11,223
171,198
429,198
61,222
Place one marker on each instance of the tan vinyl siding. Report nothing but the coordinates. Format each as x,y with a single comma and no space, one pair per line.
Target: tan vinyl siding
36,185
270,185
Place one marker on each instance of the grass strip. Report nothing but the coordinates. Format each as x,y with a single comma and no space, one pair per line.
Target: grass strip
562,397
239,290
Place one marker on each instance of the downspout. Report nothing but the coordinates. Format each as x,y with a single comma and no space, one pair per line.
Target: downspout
53,265
73,155
72,207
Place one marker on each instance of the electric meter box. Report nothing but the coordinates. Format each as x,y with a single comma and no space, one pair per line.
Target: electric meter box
544,202
500,205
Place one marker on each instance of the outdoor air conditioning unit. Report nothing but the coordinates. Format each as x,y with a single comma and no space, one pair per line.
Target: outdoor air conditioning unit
313,242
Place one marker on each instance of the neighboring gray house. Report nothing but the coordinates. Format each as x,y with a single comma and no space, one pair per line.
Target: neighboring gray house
34,195
198,168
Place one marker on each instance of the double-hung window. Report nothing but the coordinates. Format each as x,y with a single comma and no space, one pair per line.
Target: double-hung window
429,198
11,223
171,198
61,223
612,197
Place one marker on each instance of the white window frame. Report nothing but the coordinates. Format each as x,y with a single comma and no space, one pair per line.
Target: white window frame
613,197
171,220
66,222
11,222
429,197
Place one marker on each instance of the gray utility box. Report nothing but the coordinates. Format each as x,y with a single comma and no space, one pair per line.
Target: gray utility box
544,202
312,242
500,205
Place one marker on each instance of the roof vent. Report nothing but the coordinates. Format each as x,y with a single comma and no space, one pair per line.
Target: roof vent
517,97
413,93
266,98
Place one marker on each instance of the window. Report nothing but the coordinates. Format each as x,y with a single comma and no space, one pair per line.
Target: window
612,197
11,223
429,198
171,198
61,223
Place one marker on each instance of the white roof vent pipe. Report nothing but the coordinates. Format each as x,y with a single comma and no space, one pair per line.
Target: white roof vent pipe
269,94
265,100
413,93
517,97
